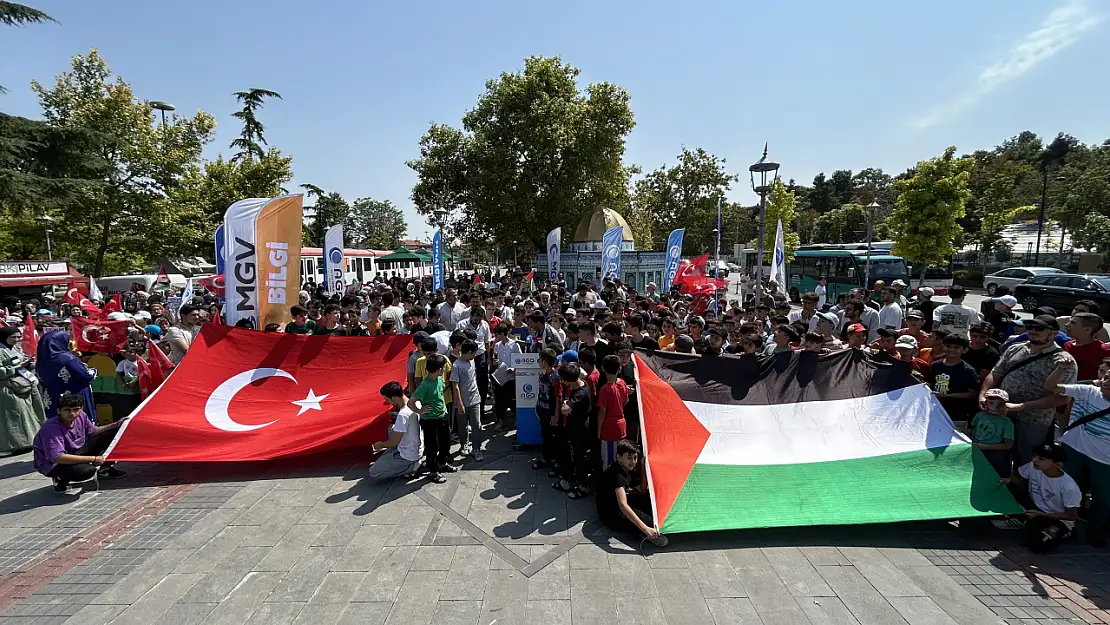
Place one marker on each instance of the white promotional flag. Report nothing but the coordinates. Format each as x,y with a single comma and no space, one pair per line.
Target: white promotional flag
94,291
334,265
553,255
778,263
186,295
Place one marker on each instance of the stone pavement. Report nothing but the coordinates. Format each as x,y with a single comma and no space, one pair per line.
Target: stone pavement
311,541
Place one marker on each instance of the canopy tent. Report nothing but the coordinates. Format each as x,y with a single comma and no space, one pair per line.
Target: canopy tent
403,255
427,254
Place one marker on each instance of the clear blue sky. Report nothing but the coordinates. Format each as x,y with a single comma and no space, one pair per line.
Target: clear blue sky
831,85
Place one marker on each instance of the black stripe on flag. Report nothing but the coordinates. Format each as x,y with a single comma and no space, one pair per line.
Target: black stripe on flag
787,377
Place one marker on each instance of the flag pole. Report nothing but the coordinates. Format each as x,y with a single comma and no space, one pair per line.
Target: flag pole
717,262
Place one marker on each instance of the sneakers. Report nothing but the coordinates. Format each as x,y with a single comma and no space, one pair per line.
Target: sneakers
447,468
1008,524
659,541
110,473
65,488
478,456
437,478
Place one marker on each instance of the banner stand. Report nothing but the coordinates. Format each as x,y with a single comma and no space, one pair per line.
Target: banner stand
527,382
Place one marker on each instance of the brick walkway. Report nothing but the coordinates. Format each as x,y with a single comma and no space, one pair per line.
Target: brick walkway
312,542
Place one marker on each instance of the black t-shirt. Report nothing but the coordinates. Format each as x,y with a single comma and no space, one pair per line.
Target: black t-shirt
614,477
949,379
602,348
982,359
646,342
580,406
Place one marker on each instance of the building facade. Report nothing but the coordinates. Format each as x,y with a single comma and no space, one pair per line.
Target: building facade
581,259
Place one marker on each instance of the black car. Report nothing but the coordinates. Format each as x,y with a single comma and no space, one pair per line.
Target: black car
1062,290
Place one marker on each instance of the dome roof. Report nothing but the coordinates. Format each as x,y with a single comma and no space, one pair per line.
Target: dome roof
594,224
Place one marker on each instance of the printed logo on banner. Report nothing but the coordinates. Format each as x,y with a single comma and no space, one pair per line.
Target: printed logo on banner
612,253
553,254
335,267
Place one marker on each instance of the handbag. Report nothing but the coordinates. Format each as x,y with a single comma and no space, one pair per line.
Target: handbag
21,385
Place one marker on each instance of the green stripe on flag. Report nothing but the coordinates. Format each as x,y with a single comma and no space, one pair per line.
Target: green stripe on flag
942,483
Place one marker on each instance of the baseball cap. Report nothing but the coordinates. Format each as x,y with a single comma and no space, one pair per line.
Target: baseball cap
926,291
684,341
599,304
153,330
886,332
997,393
831,318
856,327
419,337
44,312
142,314
898,282
1009,300
906,340
721,332
1042,322
914,313
118,316
571,311
568,356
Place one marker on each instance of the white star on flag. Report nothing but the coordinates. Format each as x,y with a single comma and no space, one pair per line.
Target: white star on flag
312,402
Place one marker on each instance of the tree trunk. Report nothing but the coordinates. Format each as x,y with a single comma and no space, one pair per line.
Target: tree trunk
102,248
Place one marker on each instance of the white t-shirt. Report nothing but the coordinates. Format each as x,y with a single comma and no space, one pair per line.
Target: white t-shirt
397,314
820,291
891,316
796,315
408,424
955,318
1052,494
1090,439
481,332
505,352
127,367
443,341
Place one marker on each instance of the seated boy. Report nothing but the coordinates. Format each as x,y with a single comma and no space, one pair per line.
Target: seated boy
68,448
1051,498
993,432
622,503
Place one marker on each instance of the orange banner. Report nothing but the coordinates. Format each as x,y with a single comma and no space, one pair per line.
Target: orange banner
278,250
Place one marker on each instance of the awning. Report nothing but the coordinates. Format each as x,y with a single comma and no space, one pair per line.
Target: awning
9,282
22,274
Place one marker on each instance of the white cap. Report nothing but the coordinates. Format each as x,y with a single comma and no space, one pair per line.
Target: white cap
926,291
143,314
119,316
599,304
1009,300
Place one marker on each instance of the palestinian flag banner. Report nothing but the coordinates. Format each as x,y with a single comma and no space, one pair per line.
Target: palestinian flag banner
803,439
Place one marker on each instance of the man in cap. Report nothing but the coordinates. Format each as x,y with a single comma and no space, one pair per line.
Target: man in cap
956,318
1001,317
826,327
926,305
856,335
906,345
1021,372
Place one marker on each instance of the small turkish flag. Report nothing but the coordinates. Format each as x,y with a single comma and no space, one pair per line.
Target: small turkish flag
103,337
245,395
154,370
213,284
115,304
74,298
30,341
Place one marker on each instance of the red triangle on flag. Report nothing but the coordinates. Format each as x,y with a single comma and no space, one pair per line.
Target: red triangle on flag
673,438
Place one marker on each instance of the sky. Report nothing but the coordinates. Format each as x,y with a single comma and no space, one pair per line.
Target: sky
829,85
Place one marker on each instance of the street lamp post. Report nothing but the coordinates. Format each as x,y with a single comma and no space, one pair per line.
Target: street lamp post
766,169
162,106
46,220
1040,214
871,208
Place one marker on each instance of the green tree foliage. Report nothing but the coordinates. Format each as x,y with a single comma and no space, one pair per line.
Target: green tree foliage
1095,233
844,224
125,221
15,14
685,195
329,209
251,140
930,203
374,224
536,152
781,204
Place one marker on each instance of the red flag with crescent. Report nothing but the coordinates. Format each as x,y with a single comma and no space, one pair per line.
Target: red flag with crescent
213,284
74,298
154,370
102,337
243,395
30,341
114,304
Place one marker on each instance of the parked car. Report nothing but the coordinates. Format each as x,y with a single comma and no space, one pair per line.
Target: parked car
1062,290
1013,276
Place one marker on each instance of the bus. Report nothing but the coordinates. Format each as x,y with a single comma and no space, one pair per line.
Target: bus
844,267
360,264
937,278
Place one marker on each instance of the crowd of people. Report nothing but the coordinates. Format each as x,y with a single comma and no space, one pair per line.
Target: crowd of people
1031,394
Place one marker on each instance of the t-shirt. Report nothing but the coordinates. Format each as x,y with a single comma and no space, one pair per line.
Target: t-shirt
991,429
421,371
293,327
126,367
180,333
397,315
464,375
580,405
982,360
891,316
1088,357
430,395
1027,383
481,333
613,397
545,395
54,438
615,476
955,318
645,342
409,426
1090,439
950,379
666,341
1051,494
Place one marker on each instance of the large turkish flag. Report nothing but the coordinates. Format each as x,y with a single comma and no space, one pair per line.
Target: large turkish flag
104,337
248,395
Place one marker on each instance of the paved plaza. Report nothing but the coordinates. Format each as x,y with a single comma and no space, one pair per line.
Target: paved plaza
313,541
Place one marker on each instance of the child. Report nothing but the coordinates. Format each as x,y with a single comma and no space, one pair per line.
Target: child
786,337
814,342
127,371
545,409
1051,497
430,348
300,324
504,395
468,408
428,403
666,342
993,432
577,436
955,382
622,503
611,426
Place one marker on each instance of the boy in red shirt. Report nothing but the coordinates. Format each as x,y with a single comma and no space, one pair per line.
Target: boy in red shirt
612,396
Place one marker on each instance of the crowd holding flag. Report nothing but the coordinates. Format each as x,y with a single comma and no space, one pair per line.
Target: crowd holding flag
100,336
75,298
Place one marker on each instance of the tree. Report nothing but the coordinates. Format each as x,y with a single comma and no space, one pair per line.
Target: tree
374,224
123,223
330,209
930,203
780,205
15,14
1095,233
845,224
686,196
251,140
533,154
